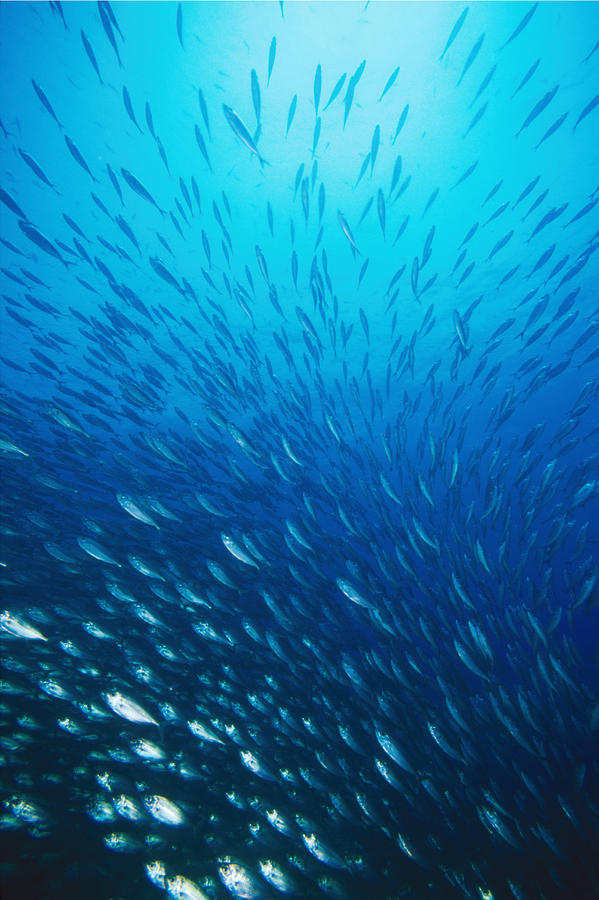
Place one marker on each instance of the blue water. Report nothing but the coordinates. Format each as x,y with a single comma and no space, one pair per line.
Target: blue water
299,450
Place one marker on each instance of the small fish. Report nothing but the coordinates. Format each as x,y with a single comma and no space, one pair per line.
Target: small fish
366,210
466,175
149,120
180,23
591,52
92,548
396,174
127,708
204,110
139,189
256,96
164,273
483,85
272,52
90,54
472,56
114,181
347,231
365,165
402,122
374,147
476,118
12,205
430,201
538,108
336,90
76,154
42,242
45,102
133,508
317,87
348,100
36,168
591,105
586,209
381,210
522,25
17,626
454,32
291,113
107,25
552,129
316,136
527,77
529,187
74,226
500,244
242,133
129,108
202,146
237,551
390,82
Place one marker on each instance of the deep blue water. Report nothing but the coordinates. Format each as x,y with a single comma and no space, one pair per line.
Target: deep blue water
299,450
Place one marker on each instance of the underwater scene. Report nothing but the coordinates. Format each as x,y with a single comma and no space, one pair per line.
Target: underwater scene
299,450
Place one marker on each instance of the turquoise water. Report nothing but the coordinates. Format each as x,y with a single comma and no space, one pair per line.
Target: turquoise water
299,465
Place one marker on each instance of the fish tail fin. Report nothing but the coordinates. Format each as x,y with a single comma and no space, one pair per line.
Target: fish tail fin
263,162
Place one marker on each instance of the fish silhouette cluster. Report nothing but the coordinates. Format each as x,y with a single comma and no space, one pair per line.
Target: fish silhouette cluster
300,511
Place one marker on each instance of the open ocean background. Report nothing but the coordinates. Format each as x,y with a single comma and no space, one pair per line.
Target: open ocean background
299,450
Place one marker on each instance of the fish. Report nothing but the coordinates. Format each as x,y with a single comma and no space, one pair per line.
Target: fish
138,188
272,52
45,102
129,107
374,147
588,109
242,133
36,237
92,548
180,24
390,82
291,113
467,173
530,72
202,146
107,21
76,154
484,84
347,231
539,108
90,54
476,118
204,110
521,25
396,174
455,31
128,709
471,57
552,129
317,88
12,204
36,169
256,97
336,90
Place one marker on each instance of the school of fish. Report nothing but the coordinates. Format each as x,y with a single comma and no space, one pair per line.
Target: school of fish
299,539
